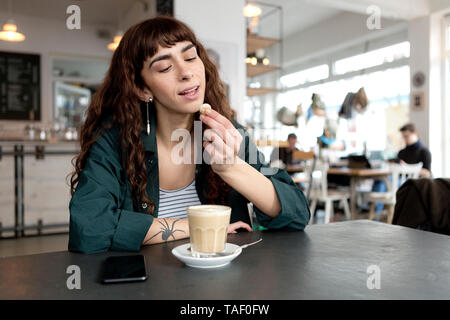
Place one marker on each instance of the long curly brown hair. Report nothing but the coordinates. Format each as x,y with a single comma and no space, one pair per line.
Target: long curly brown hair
117,98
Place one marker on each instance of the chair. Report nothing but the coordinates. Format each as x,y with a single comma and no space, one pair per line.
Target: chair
424,204
400,173
310,158
321,193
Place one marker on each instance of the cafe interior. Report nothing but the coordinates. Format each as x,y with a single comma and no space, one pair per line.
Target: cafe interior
350,97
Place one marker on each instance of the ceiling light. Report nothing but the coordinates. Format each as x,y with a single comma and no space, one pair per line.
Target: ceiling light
9,32
113,45
251,10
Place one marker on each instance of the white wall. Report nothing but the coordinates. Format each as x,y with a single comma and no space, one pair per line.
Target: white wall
419,37
438,5
136,13
220,25
426,38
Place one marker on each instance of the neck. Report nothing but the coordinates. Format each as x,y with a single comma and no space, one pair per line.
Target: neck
167,122
413,141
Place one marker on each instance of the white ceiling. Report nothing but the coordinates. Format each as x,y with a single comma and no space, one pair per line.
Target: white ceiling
301,14
297,15
95,12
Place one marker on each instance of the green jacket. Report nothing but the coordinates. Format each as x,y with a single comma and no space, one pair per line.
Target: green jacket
102,216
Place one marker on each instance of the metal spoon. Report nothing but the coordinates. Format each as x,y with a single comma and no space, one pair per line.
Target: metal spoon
221,254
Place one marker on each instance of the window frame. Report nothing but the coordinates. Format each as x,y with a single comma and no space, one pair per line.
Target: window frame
309,69
360,55
332,76
446,94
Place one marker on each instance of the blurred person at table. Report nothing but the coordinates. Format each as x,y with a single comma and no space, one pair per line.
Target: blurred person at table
129,187
415,151
284,154
331,146
314,124
329,138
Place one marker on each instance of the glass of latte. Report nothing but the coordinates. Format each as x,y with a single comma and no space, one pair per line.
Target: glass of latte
208,226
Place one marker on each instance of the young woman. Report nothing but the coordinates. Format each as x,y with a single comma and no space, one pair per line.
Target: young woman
128,189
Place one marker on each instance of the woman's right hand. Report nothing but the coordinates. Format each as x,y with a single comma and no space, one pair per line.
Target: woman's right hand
232,227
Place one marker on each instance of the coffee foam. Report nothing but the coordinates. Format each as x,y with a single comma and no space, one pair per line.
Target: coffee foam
204,210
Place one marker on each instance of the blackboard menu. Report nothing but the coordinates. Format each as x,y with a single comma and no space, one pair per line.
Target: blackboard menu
20,86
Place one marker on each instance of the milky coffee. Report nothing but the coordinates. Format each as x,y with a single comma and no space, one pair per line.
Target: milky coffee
208,226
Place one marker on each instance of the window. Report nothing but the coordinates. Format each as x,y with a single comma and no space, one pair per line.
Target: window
446,168
388,94
447,37
372,58
387,89
308,75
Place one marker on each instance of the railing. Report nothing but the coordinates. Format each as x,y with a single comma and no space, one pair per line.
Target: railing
19,213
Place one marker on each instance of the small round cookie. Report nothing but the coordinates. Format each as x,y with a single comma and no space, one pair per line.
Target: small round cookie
204,107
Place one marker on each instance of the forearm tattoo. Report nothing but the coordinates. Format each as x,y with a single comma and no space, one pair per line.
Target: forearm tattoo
166,230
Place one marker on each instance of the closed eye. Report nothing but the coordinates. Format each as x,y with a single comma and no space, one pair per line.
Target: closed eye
167,69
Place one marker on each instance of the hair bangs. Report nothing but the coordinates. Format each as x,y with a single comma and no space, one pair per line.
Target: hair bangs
165,33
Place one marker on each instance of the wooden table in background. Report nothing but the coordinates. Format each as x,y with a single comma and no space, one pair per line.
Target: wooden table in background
357,174
294,169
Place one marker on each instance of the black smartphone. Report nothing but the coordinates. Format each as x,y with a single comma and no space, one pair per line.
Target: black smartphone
124,269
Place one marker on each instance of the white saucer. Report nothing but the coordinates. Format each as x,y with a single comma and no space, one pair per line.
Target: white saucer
230,252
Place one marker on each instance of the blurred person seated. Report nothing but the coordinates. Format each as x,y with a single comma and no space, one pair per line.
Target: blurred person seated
281,157
329,144
415,151
329,138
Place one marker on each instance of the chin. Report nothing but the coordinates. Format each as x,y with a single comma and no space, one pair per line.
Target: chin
192,106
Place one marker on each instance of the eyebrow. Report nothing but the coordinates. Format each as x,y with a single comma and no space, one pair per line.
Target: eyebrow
168,56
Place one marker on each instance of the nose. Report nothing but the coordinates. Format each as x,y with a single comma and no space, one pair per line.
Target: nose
185,72
186,75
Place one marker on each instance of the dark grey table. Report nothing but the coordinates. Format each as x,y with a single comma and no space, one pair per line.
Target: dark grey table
323,262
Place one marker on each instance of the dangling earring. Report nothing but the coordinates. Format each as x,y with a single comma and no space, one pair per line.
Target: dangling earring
148,118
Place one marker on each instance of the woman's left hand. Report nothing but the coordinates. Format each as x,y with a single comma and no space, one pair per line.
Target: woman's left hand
223,141
232,227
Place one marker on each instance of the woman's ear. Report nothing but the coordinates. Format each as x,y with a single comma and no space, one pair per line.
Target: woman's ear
143,94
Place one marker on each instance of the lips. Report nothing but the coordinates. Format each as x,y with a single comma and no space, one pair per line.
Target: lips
190,90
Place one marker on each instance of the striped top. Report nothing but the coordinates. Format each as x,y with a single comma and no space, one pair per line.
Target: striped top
173,203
